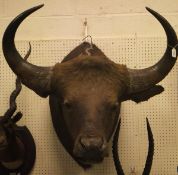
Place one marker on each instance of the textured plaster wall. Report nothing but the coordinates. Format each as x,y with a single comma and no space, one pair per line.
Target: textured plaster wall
106,18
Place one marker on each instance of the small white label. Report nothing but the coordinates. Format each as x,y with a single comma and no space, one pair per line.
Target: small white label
174,53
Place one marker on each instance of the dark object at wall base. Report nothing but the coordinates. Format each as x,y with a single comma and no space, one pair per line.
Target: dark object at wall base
30,153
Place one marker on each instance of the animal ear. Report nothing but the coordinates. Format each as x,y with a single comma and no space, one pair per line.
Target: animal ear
145,95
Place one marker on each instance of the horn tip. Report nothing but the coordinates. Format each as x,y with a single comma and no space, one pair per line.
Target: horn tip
35,8
154,13
40,6
149,9
147,123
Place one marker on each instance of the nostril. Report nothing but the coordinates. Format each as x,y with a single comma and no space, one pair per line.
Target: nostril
84,142
92,142
99,142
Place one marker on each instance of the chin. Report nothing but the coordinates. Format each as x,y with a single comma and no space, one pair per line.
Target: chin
91,161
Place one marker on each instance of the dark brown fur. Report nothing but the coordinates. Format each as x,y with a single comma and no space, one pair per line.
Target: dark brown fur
89,71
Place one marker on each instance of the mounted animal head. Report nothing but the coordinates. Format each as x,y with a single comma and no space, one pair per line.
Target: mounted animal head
86,90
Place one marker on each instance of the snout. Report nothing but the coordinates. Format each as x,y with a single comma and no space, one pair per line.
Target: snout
90,150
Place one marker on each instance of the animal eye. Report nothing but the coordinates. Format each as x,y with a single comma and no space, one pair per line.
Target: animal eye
114,106
67,105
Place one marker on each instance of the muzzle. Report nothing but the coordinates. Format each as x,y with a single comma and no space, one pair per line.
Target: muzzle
90,149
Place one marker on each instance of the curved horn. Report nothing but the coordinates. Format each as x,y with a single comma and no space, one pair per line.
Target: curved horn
35,77
144,79
149,159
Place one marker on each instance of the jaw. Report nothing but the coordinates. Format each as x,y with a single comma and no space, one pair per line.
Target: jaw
91,161
90,157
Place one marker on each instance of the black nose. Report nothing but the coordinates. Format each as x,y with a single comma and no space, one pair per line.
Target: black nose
89,143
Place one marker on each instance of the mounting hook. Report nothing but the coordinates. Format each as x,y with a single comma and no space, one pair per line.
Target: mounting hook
85,29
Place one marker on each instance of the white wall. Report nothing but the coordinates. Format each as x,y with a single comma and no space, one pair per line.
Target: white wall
106,18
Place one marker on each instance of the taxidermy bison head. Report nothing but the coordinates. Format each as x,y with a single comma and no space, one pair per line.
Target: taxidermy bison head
87,88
